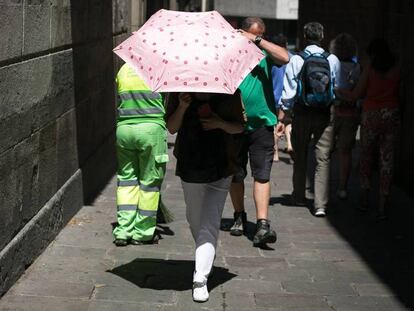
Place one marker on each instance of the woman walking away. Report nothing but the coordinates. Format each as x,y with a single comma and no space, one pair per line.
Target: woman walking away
347,114
380,120
205,152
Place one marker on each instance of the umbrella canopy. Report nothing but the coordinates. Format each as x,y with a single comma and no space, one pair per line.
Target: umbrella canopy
190,52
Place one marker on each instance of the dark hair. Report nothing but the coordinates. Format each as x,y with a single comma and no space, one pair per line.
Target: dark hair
250,21
279,39
344,46
313,32
380,54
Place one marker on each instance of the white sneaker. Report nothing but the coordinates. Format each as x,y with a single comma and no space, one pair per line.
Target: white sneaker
341,194
320,212
200,291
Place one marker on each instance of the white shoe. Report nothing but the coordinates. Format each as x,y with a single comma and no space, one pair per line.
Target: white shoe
200,291
341,194
320,212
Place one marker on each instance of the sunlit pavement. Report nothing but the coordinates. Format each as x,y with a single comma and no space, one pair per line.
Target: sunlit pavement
346,261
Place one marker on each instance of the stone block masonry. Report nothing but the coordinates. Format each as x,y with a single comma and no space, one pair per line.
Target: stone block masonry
57,118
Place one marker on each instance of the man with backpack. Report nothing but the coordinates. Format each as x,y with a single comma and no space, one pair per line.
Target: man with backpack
308,91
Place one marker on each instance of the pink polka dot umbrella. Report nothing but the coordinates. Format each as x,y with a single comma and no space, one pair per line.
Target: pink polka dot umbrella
190,52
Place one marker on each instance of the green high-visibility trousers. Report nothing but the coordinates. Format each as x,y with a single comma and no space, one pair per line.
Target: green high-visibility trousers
142,158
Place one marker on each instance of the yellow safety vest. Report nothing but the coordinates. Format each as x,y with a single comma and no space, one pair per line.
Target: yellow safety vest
136,102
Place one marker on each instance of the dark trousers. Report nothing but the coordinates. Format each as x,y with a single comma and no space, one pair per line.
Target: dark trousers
316,125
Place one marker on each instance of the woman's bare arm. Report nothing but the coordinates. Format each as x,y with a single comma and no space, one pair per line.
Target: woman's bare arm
175,120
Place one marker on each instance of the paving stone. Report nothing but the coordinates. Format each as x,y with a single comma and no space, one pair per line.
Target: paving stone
102,305
255,262
185,300
291,302
339,255
317,288
36,303
124,255
284,274
71,274
377,289
252,286
91,253
355,303
53,289
241,300
133,293
246,273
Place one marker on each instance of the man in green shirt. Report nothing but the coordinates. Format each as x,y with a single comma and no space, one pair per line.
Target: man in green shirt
258,141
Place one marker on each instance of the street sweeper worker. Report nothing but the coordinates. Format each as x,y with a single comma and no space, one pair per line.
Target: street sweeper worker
141,144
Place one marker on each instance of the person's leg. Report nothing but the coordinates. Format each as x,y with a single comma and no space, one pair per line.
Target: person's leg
210,217
345,163
127,189
345,140
261,196
237,195
239,216
205,203
288,135
194,194
387,143
322,129
237,191
261,159
368,145
153,157
300,142
276,147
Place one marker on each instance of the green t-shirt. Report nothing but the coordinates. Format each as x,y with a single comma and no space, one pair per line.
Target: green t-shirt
257,95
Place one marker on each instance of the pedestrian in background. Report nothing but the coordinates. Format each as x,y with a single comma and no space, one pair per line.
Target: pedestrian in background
141,143
347,114
206,155
380,122
308,92
258,141
278,72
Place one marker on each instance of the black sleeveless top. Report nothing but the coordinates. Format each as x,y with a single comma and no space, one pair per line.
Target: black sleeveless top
205,156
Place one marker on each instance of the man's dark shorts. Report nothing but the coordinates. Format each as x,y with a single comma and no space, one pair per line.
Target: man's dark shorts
258,147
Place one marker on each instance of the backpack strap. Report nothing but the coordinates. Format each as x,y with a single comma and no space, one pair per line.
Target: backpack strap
304,54
326,54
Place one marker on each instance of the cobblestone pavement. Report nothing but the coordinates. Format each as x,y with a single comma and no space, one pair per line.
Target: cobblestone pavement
346,261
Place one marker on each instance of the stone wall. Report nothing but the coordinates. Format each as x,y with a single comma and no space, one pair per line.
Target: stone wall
57,117
365,20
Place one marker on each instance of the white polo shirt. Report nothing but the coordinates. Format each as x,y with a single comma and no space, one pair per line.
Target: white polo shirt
290,84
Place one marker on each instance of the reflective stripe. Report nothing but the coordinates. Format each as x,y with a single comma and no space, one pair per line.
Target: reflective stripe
150,189
143,111
127,207
147,213
139,96
148,201
125,183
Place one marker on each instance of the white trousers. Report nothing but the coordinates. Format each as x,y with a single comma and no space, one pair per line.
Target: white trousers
205,203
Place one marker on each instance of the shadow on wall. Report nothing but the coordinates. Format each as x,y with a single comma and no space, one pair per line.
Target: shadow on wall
93,68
